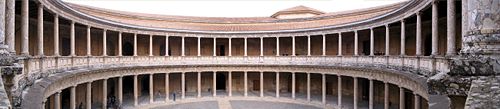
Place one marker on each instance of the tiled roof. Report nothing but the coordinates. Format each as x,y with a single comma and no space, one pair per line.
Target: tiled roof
298,9
238,23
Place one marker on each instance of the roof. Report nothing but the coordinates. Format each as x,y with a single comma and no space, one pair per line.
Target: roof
237,23
298,10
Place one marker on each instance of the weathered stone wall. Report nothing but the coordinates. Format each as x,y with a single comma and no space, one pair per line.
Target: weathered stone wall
484,93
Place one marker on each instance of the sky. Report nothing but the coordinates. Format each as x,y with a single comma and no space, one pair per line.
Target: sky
228,8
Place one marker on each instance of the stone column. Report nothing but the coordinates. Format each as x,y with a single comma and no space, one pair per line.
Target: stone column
308,45
167,87
387,40
72,39
183,46
435,33
261,46
450,30
199,46
151,45
339,90
166,45
183,85
324,45
151,89
120,90
89,96
403,38
104,93
293,45
277,84
308,86
386,95
72,101
340,45
10,25
4,49
277,46
135,44
261,84
215,46
370,99
120,49
245,83
40,29
372,43
214,85
293,85
104,43
230,84
24,28
356,43
230,47
419,35
246,54
135,90
89,44
416,100
199,84
401,97
57,100
323,88
56,35
355,92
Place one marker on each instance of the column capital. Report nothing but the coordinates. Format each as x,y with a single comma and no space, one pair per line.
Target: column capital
387,25
418,13
402,20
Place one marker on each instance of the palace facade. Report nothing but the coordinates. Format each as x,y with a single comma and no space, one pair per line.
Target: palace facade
416,54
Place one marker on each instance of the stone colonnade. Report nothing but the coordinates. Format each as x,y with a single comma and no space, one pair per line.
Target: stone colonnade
10,37
356,91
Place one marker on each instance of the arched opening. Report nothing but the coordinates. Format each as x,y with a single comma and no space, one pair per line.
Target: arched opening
221,81
428,45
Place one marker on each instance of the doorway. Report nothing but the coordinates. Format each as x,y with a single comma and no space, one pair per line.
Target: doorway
256,85
222,50
366,47
145,83
329,88
221,81
128,49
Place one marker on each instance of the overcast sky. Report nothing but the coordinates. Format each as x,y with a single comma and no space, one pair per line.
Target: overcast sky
228,8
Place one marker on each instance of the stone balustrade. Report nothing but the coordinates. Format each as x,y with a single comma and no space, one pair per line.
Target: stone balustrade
425,66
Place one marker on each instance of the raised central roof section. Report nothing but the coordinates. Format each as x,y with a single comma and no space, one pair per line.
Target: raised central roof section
297,12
